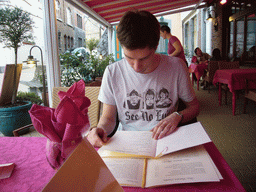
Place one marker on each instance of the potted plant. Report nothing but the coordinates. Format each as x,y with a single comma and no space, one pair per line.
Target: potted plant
91,70
15,28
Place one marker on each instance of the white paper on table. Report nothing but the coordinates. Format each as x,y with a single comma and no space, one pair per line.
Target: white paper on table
184,137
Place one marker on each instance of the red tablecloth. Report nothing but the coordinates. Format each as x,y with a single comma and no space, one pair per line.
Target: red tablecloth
235,78
32,171
198,70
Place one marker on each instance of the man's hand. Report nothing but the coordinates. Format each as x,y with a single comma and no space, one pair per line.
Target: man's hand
166,126
97,137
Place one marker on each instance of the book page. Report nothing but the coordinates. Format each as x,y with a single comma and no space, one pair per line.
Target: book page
127,171
138,143
186,166
215,168
184,137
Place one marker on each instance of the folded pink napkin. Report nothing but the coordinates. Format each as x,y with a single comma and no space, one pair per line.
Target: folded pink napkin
64,125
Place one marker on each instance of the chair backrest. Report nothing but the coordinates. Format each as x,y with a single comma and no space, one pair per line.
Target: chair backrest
213,66
229,64
90,92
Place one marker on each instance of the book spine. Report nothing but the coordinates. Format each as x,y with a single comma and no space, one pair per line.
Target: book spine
144,175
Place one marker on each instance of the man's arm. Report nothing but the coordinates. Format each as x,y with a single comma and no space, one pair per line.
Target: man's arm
169,124
177,47
98,135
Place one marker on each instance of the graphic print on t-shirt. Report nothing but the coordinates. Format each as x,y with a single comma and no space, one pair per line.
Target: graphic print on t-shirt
163,99
147,105
133,100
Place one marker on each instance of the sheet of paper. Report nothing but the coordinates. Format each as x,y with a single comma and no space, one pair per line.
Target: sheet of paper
127,171
186,166
131,142
215,168
6,170
184,137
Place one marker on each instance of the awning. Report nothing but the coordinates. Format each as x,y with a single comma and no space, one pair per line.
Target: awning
109,12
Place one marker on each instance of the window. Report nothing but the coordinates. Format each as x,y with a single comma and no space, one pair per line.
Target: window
65,42
79,21
80,42
72,42
68,42
69,16
59,39
58,9
243,36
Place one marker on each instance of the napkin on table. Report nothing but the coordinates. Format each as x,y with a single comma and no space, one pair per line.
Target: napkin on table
64,125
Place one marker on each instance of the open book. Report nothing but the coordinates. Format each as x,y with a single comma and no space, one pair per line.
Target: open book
185,166
141,145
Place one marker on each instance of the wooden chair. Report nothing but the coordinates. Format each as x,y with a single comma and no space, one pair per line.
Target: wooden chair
212,68
249,93
227,65
90,92
93,111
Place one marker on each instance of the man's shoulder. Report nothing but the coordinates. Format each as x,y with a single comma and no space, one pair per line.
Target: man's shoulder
116,64
171,59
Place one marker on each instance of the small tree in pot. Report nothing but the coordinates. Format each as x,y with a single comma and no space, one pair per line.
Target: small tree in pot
15,28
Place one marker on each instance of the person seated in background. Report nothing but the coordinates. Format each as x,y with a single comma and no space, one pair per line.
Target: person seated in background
175,48
216,56
144,71
201,57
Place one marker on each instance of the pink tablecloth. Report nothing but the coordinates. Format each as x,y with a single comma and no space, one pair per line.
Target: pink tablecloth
197,69
235,78
32,171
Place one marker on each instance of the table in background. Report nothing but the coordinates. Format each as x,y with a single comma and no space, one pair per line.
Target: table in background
235,79
32,171
198,70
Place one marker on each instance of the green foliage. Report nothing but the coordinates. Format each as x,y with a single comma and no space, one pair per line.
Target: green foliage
70,66
96,66
73,68
29,96
91,44
15,27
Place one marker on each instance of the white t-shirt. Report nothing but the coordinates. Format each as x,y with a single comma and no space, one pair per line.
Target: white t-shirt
143,100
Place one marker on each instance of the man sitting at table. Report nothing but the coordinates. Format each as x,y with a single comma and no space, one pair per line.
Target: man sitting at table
201,57
142,70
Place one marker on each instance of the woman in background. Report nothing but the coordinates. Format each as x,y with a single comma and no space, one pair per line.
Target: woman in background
175,48
216,55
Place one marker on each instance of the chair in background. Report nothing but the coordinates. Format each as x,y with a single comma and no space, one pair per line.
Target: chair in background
249,93
212,68
93,111
227,65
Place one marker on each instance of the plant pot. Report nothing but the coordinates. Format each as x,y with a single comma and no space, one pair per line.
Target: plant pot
14,117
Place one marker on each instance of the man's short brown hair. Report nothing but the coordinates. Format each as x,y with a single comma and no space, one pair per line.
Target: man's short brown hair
138,29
